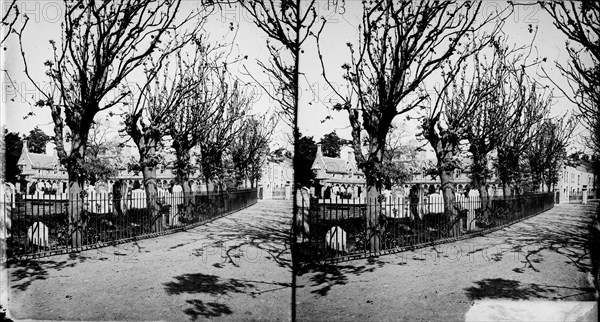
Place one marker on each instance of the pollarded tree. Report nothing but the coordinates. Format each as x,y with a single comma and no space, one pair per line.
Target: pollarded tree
226,119
102,43
401,45
446,125
204,68
484,126
528,107
168,87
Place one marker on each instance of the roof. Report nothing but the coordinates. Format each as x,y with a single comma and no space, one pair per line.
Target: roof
336,165
38,161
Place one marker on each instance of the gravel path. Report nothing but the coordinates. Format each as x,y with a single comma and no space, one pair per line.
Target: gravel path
543,258
235,268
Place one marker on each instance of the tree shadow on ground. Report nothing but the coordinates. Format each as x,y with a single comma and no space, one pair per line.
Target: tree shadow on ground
206,284
326,276
252,238
565,233
254,235
24,272
499,288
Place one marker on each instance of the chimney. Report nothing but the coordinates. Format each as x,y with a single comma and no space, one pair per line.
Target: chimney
351,155
319,151
25,147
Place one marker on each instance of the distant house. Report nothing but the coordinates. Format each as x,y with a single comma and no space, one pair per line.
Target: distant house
277,179
342,174
574,179
41,169
337,174
41,172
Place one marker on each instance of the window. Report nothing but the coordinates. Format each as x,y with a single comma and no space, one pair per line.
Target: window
577,179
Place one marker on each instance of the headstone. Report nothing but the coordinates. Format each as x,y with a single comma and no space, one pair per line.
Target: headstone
138,198
177,189
436,203
38,234
335,239
101,187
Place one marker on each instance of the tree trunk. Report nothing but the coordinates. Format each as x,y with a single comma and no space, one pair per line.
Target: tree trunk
77,224
375,216
448,193
76,200
375,227
183,176
157,219
485,202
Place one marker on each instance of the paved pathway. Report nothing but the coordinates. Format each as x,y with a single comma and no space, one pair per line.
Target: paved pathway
544,258
235,268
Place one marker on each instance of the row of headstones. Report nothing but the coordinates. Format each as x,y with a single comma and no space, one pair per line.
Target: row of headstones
102,202
38,233
336,239
101,187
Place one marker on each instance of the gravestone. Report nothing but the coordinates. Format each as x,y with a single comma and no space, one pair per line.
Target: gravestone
101,187
138,198
335,239
436,203
38,234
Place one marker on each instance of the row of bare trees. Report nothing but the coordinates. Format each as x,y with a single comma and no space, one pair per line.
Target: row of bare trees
184,96
486,101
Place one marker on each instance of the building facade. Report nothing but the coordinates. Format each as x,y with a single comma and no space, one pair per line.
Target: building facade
277,179
333,175
573,180
44,173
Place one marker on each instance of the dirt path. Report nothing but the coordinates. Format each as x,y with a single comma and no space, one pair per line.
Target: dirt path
235,268
543,258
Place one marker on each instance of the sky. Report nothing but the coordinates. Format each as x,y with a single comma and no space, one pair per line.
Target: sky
342,28
18,94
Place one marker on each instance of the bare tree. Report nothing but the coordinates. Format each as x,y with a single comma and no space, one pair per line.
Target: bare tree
102,43
485,124
288,24
225,121
580,22
249,148
153,111
9,19
401,45
446,125
529,104
207,67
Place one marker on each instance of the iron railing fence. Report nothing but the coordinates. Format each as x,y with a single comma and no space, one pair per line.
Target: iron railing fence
40,225
338,229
